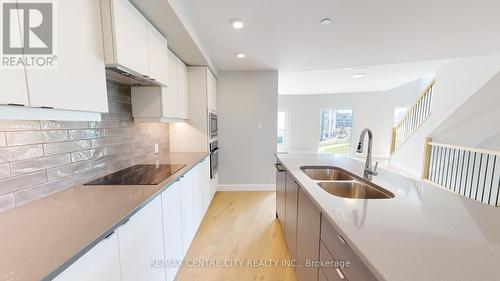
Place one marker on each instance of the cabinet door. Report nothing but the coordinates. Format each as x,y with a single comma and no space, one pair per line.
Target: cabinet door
342,251
182,88
78,82
13,80
100,263
141,244
172,225
201,188
158,55
131,37
280,194
170,97
308,237
211,91
187,202
291,216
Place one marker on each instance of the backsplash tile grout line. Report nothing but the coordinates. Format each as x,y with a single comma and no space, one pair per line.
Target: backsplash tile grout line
102,147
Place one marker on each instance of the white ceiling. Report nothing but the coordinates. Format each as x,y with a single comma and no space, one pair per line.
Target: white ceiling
377,78
286,34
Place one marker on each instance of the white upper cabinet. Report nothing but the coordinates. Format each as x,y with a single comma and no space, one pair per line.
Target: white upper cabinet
158,55
141,244
170,100
182,90
77,82
125,36
164,104
131,41
211,91
101,263
13,80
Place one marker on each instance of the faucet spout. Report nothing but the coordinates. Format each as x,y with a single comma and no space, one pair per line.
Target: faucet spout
369,170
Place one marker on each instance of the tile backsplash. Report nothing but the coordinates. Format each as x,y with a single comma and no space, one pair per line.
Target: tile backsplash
38,158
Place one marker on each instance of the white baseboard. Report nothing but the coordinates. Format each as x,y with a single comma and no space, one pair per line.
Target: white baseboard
247,187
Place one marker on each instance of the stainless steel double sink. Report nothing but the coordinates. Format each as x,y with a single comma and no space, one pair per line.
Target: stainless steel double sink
343,184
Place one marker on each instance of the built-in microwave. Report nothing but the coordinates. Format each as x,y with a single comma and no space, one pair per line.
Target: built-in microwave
212,124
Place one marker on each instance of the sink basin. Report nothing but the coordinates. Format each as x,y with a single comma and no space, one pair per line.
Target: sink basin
325,174
355,190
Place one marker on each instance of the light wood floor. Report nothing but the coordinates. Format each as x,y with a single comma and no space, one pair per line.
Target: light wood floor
239,226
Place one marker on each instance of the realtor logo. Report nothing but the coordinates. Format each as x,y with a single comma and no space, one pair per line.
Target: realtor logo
28,34
27,28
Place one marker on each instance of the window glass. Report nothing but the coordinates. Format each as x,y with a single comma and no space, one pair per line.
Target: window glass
283,127
335,131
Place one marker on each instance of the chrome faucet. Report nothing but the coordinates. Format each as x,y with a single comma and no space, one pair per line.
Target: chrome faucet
369,171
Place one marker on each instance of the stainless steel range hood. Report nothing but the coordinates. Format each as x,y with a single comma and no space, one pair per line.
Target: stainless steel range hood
125,76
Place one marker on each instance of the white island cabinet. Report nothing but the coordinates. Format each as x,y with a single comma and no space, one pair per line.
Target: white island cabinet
101,263
141,244
78,80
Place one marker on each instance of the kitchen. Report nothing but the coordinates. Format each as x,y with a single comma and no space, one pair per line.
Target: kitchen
175,140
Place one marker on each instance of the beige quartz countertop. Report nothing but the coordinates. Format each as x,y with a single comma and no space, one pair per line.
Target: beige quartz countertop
38,240
424,233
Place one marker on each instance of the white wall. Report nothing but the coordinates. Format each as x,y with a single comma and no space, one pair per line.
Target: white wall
245,100
455,84
476,122
370,110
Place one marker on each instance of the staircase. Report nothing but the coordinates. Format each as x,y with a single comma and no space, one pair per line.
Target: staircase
471,172
457,109
413,119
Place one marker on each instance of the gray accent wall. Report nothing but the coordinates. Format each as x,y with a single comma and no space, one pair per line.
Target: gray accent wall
246,100
38,158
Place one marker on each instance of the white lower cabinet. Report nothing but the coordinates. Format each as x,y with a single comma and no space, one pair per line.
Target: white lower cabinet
172,229
141,244
202,190
154,240
101,263
187,210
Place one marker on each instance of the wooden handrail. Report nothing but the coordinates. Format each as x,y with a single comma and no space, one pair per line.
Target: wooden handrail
463,148
414,118
422,94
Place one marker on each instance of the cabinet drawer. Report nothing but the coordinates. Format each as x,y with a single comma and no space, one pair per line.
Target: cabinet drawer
322,276
328,266
342,252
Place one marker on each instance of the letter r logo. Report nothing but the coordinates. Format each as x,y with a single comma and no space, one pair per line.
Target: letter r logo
27,28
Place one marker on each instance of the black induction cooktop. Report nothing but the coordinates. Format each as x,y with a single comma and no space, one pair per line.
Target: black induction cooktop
139,175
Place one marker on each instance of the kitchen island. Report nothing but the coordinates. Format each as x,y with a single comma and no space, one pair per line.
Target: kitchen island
423,233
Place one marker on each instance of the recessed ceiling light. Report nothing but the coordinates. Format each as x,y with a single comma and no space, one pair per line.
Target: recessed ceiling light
325,21
358,75
237,24
241,55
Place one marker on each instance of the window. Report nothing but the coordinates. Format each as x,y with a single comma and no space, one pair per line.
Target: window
283,134
335,131
399,114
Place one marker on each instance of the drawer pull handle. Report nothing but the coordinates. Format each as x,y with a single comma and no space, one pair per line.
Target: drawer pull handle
341,239
340,273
